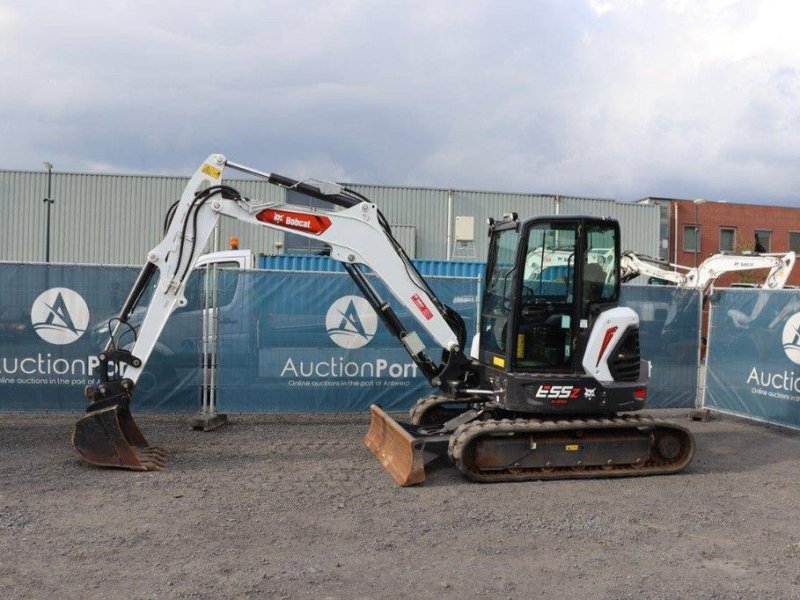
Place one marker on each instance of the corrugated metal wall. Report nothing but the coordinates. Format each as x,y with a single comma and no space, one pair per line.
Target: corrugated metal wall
428,209
116,219
106,219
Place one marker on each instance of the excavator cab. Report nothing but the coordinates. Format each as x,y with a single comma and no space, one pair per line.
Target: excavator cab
548,281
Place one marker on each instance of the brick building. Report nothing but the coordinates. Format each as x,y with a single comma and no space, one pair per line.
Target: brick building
726,227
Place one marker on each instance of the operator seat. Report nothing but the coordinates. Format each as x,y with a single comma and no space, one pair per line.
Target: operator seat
594,280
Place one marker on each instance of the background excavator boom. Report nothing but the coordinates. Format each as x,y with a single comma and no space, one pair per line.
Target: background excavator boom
704,275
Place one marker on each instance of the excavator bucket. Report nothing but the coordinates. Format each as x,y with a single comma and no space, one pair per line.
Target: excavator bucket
395,448
109,437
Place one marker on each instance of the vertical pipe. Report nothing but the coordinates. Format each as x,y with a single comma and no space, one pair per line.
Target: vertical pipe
210,316
204,355
702,361
212,395
449,224
479,310
696,236
47,234
48,201
675,228
558,204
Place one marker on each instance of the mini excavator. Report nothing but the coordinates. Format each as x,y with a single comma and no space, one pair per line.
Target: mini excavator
550,386
702,277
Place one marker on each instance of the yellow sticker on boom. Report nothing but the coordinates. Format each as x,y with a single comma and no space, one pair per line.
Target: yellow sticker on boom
498,362
211,171
571,447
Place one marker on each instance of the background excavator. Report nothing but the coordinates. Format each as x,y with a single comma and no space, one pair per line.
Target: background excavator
540,395
706,273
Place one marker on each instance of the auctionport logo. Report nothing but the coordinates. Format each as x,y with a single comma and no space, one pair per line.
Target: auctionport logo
782,385
60,316
791,338
351,322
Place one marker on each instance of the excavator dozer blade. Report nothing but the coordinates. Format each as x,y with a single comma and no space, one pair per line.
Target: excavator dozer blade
110,438
395,448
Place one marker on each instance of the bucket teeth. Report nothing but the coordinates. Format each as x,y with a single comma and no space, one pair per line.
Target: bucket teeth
110,438
152,458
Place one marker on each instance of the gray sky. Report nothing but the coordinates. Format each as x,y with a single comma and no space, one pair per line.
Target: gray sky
614,98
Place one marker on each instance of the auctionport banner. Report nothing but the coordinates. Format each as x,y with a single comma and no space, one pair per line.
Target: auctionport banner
321,347
753,361
54,320
288,341
315,344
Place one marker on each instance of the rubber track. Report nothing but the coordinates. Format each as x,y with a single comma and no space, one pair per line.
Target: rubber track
425,404
468,434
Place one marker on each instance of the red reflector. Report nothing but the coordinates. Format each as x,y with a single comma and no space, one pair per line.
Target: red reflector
640,394
309,223
606,341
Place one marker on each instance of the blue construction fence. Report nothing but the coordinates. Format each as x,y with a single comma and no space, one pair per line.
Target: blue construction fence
753,357
290,341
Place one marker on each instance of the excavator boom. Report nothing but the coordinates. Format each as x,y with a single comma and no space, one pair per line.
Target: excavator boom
358,235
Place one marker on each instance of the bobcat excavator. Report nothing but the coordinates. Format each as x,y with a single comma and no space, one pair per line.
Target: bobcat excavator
703,276
555,363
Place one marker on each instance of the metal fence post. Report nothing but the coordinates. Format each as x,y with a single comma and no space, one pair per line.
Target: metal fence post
208,418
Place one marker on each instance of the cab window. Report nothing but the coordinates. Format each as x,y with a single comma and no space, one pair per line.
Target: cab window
549,263
599,272
497,298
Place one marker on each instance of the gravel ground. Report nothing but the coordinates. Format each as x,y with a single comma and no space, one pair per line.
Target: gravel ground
289,506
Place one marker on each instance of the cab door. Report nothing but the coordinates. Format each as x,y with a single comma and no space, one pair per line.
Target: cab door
499,295
548,310
570,275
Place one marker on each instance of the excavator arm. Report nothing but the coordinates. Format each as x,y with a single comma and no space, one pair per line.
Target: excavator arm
358,236
633,265
780,267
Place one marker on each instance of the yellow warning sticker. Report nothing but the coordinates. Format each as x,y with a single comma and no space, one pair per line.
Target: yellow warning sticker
211,171
571,447
498,362
521,345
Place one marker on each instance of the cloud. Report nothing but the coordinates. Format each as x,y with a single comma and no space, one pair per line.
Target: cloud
608,98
